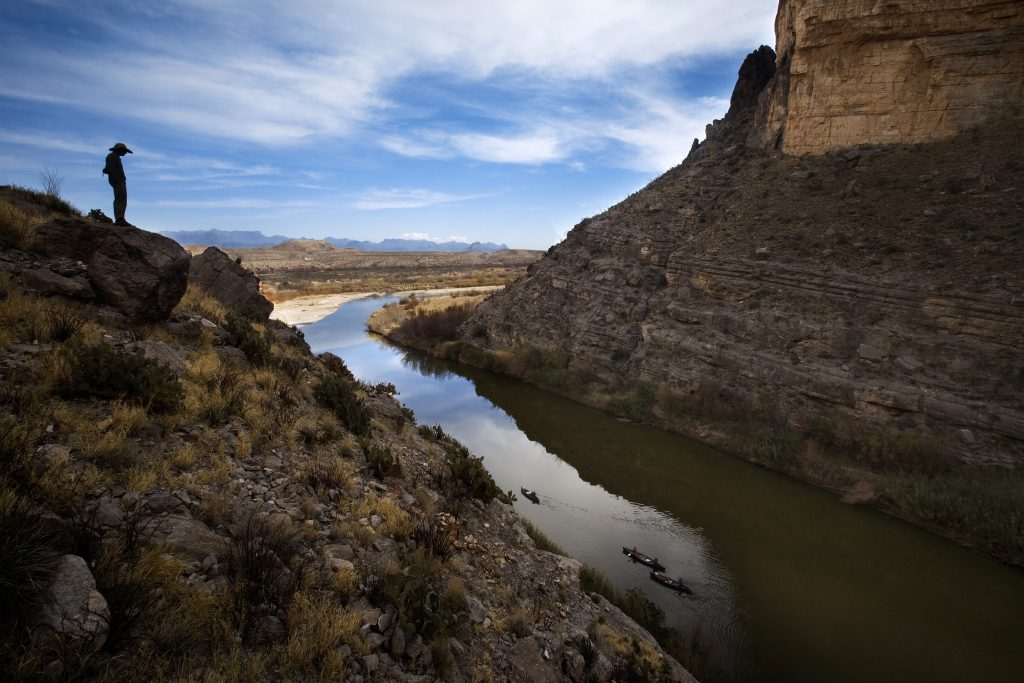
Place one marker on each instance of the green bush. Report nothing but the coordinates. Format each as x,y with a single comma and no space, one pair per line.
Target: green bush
381,460
469,477
431,327
100,370
338,395
256,346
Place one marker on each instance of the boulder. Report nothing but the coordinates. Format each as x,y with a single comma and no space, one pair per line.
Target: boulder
72,607
45,281
141,274
229,283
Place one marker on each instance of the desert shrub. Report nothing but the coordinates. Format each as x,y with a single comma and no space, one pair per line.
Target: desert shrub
381,460
421,609
339,396
21,424
255,345
438,539
431,327
216,392
326,471
822,430
98,216
99,370
892,450
775,447
27,555
541,540
986,506
634,402
468,476
264,581
63,322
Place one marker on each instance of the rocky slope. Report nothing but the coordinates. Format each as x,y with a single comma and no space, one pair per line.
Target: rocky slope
195,496
863,300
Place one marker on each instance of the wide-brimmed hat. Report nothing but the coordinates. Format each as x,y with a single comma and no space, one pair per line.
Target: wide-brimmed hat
120,146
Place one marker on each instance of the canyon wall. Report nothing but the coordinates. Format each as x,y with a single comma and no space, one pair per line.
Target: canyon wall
793,271
872,71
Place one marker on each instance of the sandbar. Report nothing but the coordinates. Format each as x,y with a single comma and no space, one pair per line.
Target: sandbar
304,310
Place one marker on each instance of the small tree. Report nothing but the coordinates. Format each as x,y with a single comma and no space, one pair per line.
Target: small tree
52,181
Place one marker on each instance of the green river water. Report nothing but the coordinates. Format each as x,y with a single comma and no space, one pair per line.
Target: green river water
789,584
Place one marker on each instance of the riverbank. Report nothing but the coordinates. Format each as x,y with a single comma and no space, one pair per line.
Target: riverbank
979,508
309,309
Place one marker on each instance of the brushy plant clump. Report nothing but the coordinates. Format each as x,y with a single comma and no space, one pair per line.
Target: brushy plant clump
256,346
339,396
99,370
432,327
381,460
469,477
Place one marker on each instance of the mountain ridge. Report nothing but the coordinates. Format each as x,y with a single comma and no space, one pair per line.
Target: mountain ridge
241,239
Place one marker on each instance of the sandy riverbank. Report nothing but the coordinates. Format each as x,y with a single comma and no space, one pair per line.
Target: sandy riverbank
309,309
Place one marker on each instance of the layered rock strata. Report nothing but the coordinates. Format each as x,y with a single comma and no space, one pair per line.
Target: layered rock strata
875,288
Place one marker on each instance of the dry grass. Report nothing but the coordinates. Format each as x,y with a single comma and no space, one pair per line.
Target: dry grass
396,521
196,301
317,628
18,227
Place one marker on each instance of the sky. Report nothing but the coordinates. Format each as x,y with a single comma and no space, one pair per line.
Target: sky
493,121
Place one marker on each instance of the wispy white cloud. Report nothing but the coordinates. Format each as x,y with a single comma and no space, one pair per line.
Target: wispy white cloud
49,142
278,73
404,198
231,203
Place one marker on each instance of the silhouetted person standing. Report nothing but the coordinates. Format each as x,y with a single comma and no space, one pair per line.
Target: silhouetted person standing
115,176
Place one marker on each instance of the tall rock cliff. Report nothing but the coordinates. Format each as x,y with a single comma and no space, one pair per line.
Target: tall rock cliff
796,273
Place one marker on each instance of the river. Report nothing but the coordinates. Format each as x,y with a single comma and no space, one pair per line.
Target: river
789,583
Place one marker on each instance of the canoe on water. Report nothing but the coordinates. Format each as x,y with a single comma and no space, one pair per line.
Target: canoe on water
638,556
530,495
669,582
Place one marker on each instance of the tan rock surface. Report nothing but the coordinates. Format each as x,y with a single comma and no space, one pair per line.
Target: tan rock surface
859,71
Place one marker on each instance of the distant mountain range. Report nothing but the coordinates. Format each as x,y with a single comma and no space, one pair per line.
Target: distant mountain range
237,239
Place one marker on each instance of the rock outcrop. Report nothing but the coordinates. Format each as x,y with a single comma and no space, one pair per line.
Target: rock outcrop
860,71
141,274
876,290
223,278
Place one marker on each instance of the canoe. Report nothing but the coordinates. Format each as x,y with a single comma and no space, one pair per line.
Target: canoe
638,556
531,495
669,582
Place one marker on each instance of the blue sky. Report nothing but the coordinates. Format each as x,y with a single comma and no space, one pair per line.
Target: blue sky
491,121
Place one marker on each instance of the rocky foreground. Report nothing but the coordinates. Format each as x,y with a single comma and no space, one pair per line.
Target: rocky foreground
187,493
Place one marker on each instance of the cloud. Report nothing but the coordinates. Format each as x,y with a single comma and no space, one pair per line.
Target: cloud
426,236
48,142
404,198
282,74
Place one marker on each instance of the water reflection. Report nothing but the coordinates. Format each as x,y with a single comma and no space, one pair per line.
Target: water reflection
783,575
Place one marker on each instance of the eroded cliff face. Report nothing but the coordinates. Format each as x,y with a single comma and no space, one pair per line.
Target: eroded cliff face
865,71
875,290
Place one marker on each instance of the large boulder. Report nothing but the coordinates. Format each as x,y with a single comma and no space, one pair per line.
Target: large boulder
71,607
228,282
140,273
